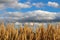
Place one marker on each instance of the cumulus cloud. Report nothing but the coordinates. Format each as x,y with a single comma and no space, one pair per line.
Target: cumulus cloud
53,4
40,15
36,15
3,3
7,1
2,6
40,4
18,5
13,4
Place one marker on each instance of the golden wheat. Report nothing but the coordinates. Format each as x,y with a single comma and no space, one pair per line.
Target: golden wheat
9,32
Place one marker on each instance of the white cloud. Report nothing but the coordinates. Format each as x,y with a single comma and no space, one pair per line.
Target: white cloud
2,6
7,1
19,5
53,4
15,14
41,4
41,15
38,4
3,3
13,4
31,15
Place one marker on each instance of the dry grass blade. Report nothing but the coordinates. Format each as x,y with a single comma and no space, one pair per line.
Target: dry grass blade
9,32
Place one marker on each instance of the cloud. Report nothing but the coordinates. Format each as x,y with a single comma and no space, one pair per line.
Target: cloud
40,15
53,4
37,15
7,1
13,4
11,15
19,5
3,3
2,6
40,4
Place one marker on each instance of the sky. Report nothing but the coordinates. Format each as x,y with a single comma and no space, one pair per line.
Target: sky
29,10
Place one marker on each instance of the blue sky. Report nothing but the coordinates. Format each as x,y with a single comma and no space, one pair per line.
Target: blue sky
45,8
29,9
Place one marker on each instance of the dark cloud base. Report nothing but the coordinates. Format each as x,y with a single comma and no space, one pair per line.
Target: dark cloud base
23,21
40,21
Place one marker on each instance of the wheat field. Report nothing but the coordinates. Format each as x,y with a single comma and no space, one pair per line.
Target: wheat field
9,32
